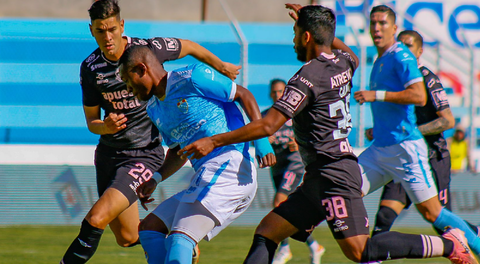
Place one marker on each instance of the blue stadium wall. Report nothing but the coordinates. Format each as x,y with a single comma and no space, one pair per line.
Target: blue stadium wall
40,98
62,195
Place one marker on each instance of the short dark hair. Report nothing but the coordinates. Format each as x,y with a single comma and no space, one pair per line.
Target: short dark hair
384,9
102,9
135,54
275,81
416,36
319,21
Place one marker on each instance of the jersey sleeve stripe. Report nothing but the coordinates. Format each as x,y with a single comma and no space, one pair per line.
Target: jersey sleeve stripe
419,79
232,92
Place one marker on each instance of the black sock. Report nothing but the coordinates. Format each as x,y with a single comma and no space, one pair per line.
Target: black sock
84,245
384,220
262,251
394,245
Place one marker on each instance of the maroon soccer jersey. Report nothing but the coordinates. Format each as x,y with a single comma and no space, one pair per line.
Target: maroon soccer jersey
102,86
436,101
317,97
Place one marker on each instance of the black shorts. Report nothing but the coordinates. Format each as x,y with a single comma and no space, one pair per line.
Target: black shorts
330,191
441,174
125,170
287,177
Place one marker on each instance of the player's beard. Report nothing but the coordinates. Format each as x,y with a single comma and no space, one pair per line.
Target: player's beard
301,53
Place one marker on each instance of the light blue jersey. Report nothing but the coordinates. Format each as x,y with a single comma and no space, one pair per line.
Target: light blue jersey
393,72
198,103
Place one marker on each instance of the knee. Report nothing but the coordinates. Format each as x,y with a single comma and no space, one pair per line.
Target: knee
127,241
354,254
97,220
153,223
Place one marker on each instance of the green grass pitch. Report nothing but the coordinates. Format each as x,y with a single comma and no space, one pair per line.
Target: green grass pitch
46,244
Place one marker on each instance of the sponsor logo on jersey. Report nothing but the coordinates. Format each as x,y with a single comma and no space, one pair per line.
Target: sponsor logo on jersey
425,72
306,82
295,77
141,42
440,97
157,44
184,131
183,106
98,66
406,57
91,58
291,98
102,81
171,44
336,60
340,226
341,79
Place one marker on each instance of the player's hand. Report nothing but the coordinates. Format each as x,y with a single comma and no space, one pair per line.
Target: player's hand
197,149
144,192
264,153
114,123
267,160
231,70
364,96
292,145
271,139
369,134
294,7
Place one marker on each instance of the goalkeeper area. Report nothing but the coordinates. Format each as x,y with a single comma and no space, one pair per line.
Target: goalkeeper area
46,244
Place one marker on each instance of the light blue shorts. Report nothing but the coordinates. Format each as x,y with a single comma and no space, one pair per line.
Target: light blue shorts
406,163
224,185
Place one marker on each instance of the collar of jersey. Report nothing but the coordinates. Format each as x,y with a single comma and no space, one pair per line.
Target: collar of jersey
167,89
394,46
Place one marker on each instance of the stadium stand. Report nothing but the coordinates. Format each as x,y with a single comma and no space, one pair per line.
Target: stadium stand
40,98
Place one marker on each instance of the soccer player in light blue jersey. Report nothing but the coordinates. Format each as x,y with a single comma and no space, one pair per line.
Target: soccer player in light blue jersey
188,104
399,151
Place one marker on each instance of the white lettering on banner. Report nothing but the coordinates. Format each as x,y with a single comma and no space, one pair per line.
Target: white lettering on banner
446,20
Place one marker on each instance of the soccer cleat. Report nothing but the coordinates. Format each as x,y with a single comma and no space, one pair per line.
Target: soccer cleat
315,257
461,254
283,255
195,254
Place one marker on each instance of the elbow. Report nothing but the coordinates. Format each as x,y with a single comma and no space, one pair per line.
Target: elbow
450,123
268,131
421,100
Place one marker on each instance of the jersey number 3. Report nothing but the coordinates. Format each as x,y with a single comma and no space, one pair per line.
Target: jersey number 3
345,124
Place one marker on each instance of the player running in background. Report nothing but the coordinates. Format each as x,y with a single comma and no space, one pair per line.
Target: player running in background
287,174
432,119
187,104
129,147
317,99
399,151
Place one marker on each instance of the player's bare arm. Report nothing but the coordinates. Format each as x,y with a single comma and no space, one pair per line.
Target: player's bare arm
444,121
249,104
255,130
413,94
171,165
338,44
110,125
202,54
